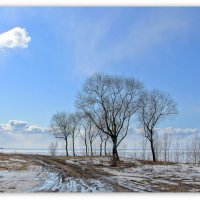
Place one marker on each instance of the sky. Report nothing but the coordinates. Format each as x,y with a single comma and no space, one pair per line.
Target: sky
46,53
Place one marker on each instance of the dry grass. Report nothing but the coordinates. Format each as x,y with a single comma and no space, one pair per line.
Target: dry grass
80,168
149,162
12,162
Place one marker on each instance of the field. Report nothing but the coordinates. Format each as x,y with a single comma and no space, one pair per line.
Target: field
39,173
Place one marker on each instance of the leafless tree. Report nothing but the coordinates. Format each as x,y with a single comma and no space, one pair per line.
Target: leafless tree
74,120
167,140
60,127
157,146
177,151
144,147
195,150
105,144
92,135
155,106
53,148
110,101
86,125
103,140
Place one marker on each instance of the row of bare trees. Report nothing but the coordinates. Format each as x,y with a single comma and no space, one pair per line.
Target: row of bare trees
154,108
170,148
106,105
63,125
67,126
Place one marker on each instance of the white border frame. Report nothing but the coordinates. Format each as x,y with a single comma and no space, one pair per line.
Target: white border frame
109,3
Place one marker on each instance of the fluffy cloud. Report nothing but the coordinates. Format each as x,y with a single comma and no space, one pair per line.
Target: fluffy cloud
36,129
20,134
16,37
17,126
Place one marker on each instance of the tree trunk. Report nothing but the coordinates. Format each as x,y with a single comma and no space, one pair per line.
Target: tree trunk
66,147
73,145
115,153
85,140
105,148
91,150
165,155
86,148
101,144
153,151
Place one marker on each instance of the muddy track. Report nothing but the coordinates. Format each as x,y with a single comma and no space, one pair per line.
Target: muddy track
76,171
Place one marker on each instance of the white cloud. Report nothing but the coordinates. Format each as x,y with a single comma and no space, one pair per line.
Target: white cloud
16,37
36,129
20,134
17,126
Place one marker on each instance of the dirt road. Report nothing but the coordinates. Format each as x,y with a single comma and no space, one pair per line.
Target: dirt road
39,173
58,165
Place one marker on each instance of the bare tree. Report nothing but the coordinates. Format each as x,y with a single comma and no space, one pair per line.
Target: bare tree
105,144
92,135
102,139
167,140
53,148
86,125
177,151
110,101
154,107
195,150
74,119
60,127
157,146
144,148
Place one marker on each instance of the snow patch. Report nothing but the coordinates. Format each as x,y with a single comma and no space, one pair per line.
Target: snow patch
57,183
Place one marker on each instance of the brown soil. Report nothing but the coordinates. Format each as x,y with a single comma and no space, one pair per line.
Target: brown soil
9,164
87,171
58,164
149,162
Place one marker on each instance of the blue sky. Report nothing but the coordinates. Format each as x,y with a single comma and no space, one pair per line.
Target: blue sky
159,46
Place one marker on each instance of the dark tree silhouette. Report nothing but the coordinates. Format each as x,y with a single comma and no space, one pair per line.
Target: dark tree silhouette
60,127
155,106
86,125
110,101
74,120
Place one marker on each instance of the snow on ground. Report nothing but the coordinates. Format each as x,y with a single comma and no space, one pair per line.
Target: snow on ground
158,177
90,161
144,177
20,180
57,183
22,176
